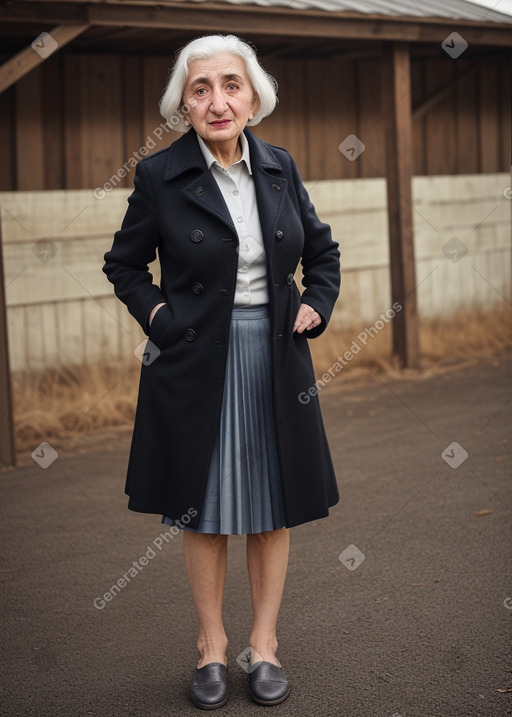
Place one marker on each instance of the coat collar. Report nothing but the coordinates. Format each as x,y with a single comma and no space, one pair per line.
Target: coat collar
185,154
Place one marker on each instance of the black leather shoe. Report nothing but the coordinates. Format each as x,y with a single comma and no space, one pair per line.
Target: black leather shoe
269,685
209,689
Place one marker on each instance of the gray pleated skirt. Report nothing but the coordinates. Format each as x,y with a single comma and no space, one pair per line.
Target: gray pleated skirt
243,492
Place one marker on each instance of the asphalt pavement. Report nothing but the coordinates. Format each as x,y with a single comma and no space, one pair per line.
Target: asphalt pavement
397,605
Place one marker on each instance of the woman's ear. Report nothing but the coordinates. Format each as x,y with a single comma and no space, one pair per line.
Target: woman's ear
256,104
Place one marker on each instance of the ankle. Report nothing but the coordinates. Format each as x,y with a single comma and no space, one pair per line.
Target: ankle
212,650
263,648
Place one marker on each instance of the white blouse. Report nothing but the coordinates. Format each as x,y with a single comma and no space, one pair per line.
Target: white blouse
237,187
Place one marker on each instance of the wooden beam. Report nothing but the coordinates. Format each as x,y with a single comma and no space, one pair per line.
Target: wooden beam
253,19
19,65
396,94
7,449
300,23
440,94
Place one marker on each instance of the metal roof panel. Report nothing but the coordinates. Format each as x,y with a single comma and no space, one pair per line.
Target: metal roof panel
448,9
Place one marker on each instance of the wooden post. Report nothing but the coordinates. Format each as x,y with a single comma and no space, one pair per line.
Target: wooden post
7,450
18,66
396,101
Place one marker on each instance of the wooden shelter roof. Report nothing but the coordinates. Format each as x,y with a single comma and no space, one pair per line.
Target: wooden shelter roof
282,28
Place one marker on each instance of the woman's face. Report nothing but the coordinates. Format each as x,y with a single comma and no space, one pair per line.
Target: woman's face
220,96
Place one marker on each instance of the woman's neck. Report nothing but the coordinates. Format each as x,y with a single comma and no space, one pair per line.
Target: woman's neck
226,153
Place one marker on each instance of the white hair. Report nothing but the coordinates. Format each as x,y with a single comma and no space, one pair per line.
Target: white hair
264,85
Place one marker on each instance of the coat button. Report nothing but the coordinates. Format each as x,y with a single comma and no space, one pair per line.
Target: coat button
199,191
279,336
279,235
276,187
197,287
197,235
289,279
190,335
224,292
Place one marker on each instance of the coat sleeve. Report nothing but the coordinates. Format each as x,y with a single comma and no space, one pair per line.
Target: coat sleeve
320,259
134,247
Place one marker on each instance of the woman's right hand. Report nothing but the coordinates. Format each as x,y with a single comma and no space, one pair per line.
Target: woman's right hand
153,312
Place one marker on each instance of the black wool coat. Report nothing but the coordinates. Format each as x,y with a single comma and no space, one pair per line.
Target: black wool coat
178,210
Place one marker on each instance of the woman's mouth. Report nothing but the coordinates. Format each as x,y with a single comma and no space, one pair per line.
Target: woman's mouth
220,123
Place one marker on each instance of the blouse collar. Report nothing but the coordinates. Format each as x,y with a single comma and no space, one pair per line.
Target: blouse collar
210,159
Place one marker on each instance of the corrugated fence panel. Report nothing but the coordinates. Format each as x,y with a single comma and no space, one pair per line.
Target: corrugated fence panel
61,306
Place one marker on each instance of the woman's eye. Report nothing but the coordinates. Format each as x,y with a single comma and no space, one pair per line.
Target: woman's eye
232,86
201,91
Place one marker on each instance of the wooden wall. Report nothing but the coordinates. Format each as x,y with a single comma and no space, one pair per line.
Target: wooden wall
73,121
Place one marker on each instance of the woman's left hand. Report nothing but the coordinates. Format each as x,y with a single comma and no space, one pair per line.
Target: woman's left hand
307,318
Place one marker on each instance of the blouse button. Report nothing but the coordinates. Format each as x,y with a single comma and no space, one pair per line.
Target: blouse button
197,287
239,219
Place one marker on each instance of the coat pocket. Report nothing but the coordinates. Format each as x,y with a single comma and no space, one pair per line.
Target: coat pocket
162,327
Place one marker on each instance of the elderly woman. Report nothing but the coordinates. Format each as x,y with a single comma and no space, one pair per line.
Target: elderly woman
222,444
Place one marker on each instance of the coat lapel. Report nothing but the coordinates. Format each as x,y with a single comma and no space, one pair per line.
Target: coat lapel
271,188
204,191
185,156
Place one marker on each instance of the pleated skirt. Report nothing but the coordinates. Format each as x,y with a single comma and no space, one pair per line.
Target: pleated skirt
243,492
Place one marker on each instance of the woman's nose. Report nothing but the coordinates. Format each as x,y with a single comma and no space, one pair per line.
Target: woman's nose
218,104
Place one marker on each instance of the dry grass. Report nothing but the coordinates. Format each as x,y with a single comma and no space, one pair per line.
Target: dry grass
58,405
471,335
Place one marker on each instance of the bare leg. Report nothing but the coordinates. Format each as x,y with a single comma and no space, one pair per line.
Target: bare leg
206,561
267,561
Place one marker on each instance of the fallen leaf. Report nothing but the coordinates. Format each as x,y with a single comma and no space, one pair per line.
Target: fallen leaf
508,690
486,511
482,697
438,580
416,585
